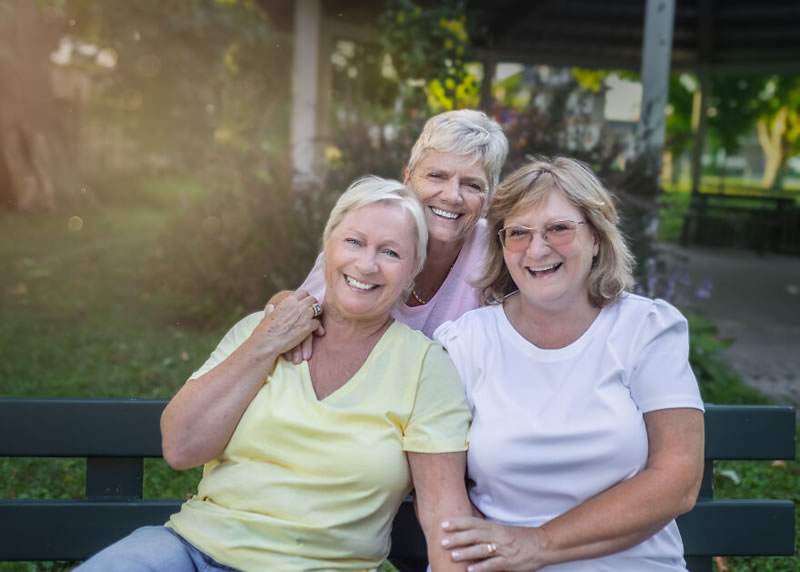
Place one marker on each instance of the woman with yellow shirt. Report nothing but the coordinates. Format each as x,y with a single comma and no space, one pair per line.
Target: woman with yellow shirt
305,465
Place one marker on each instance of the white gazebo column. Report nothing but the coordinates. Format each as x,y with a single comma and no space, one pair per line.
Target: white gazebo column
305,90
656,54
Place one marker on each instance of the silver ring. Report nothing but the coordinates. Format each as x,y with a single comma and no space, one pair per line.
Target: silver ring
317,309
491,548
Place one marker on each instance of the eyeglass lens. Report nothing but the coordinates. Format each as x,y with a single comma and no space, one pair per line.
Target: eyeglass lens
559,233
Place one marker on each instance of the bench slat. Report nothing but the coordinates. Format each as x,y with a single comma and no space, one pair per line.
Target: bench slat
72,530
750,432
716,528
80,427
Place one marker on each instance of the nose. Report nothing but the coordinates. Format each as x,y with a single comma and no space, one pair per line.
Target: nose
538,245
367,262
451,191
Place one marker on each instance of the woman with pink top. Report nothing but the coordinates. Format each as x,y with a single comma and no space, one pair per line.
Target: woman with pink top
454,168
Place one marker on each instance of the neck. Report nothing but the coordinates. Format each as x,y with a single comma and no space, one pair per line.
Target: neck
549,328
339,328
442,254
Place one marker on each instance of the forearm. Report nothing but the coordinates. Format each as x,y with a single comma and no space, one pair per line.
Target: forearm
617,519
440,493
199,421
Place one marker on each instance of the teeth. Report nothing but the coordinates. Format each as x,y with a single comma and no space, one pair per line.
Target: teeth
359,285
543,268
445,214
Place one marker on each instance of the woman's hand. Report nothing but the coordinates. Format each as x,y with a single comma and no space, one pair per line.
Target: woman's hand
288,325
301,351
488,545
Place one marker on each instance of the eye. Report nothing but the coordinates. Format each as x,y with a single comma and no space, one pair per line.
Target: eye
392,253
517,232
353,241
475,187
435,175
559,227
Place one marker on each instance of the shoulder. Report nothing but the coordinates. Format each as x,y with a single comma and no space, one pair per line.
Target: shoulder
479,236
644,320
468,325
648,310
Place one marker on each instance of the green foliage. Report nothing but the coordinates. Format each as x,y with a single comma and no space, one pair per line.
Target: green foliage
191,84
734,108
430,44
227,254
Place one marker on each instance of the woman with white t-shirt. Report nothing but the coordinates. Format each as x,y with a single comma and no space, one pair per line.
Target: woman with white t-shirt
587,433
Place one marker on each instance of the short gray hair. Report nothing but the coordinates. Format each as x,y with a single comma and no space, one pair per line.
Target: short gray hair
370,190
464,132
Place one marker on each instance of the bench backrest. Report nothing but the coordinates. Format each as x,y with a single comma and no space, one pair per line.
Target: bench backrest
116,435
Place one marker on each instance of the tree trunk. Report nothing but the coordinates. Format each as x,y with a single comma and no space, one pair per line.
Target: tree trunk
770,136
29,122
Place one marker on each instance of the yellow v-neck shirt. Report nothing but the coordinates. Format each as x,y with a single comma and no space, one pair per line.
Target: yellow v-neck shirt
309,484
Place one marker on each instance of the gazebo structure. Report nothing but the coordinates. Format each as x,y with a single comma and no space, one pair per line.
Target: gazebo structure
650,36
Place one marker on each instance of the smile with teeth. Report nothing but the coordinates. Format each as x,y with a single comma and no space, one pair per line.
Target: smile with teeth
360,285
544,269
445,214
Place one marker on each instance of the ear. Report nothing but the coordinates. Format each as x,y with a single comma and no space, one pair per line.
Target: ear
595,244
406,176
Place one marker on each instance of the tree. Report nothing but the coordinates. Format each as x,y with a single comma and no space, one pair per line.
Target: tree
195,87
31,130
734,109
779,126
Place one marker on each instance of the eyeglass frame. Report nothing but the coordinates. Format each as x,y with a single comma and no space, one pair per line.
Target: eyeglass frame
542,231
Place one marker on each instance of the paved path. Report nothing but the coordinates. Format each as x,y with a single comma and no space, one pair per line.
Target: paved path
755,300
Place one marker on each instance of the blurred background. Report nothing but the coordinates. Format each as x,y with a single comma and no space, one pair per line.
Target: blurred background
165,167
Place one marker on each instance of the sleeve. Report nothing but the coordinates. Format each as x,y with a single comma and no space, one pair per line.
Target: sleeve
661,377
447,334
232,340
314,283
440,418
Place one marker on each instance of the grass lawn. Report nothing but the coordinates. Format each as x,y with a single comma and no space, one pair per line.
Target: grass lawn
84,316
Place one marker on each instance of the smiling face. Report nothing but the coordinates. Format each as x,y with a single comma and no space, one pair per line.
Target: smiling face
453,189
370,260
552,278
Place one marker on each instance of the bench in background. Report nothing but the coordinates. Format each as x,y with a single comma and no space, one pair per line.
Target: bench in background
764,223
116,435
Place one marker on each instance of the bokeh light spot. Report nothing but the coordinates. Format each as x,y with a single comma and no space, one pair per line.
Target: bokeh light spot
75,223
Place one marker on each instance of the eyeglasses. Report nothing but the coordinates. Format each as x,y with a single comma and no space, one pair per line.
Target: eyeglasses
558,233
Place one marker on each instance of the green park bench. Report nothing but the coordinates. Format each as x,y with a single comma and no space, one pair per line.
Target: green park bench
116,435
762,222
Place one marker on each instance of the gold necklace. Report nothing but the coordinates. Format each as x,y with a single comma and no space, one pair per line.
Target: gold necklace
416,296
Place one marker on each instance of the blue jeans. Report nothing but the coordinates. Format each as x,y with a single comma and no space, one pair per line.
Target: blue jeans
152,549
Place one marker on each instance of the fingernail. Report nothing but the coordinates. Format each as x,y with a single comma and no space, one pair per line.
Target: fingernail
445,542
445,523
470,568
456,555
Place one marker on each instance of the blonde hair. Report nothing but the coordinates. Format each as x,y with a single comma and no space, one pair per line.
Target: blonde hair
370,190
612,268
464,132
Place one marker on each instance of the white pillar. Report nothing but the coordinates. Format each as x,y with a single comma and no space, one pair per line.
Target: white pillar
656,55
305,81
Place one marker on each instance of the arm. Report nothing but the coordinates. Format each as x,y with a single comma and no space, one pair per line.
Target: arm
439,491
614,520
199,421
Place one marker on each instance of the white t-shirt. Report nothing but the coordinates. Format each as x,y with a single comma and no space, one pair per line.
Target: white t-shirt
552,428
455,296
